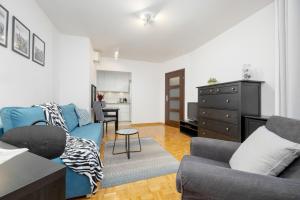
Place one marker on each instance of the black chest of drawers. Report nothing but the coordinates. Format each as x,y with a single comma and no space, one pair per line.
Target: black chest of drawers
221,107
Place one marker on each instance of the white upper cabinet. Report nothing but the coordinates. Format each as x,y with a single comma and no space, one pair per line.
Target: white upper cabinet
113,81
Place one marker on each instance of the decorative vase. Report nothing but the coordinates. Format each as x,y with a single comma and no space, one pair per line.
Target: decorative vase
246,72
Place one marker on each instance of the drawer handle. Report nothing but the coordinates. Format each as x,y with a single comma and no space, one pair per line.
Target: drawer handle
227,129
210,90
203,123
203,133
227,116
203,100
233,89
218,90
227,101
203,112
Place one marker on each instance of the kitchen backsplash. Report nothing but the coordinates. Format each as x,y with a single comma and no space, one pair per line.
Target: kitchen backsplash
114,97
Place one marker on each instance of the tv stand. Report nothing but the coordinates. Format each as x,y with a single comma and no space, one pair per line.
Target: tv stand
190,127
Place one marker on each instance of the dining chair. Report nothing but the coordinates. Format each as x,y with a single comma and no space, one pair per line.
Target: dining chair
100,117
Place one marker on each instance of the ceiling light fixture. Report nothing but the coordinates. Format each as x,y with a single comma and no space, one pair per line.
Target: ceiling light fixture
116,54
147,17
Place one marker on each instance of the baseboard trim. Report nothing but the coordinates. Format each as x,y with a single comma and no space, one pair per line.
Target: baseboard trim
148,124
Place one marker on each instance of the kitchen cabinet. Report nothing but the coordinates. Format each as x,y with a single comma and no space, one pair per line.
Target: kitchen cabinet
124,112
113,81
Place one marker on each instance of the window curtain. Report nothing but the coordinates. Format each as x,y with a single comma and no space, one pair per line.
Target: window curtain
287,58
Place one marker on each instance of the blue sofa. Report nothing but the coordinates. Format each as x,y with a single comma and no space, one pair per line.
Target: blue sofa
13,117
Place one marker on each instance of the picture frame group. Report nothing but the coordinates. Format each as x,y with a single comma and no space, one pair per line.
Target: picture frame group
21,38
38,50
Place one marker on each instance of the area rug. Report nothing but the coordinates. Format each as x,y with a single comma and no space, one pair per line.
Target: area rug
151,162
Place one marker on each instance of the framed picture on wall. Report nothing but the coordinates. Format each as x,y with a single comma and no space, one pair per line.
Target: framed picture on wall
4,15
20,38
93,94
38,50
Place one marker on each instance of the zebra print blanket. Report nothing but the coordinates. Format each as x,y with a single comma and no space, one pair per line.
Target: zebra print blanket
81,155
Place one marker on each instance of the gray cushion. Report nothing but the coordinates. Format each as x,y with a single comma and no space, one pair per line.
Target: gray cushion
46,141
292,171
285,127
194,160
205,181
290,130
211,148
84,116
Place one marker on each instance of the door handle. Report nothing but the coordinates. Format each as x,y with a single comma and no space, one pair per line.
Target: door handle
167,98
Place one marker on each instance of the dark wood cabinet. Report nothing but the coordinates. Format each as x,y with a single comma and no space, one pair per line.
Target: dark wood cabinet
189,127
31,177
221,107
251,123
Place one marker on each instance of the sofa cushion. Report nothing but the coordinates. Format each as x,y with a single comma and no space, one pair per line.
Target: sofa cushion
284,127
26,116
195,159
84,116
46,141
13,117
76,184
290,130
5,114
264,153
70,117
91,132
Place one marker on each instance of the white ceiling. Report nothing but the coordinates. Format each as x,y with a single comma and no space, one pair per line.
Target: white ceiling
181,25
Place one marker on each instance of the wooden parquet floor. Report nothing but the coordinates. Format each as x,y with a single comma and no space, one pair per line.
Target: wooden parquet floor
160,188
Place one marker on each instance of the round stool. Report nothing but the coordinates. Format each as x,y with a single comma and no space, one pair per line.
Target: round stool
127,133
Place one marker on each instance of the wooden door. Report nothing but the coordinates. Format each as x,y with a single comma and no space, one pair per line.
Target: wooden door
174,97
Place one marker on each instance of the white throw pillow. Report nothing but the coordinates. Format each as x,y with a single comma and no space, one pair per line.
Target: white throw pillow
264,153
83,116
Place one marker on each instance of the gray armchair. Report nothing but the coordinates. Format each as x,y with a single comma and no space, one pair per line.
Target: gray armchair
206,173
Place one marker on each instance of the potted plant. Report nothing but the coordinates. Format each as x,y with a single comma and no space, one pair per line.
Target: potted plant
212,81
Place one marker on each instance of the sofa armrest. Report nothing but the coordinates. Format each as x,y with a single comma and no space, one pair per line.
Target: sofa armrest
219,150
203,181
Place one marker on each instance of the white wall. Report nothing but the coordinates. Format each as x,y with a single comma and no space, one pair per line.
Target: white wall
146,87
293,58
73,70
93,70
249,42
69,69
23,82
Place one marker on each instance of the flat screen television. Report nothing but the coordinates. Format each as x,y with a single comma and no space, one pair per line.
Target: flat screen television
192,111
